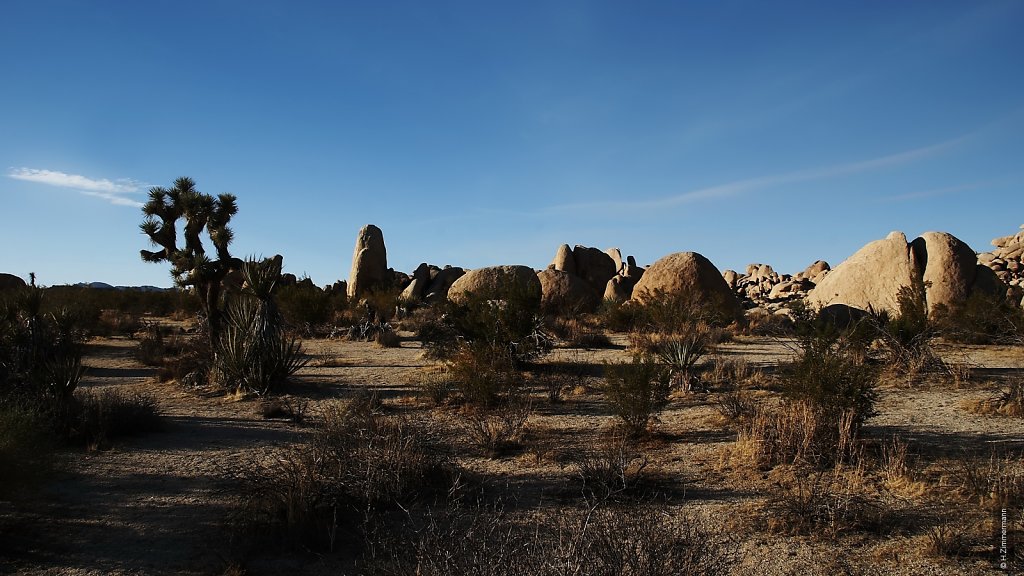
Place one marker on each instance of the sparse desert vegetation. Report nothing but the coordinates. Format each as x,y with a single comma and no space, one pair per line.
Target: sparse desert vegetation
485,443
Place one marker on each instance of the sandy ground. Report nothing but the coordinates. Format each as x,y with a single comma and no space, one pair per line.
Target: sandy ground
157,504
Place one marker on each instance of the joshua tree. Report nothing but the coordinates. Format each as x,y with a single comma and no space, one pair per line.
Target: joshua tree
190,265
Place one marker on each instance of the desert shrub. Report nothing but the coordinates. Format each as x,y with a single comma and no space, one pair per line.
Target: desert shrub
112,413
156,345
947,541
760,322
289,408
382,304
995,480
831,373
907,339
734,403
436,387
619,316
668,313
189,362
507,323
577,333
824,503
640,541
27,445
637,391
255,353
357,470
306,307
500,430
483,374
612,471
388,339
981,319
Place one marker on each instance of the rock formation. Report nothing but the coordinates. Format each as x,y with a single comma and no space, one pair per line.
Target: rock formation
1006,262
690,275
369,262
874,275
10,282
564,292
498,282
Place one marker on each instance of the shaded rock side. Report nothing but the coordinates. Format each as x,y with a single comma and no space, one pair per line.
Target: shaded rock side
564,292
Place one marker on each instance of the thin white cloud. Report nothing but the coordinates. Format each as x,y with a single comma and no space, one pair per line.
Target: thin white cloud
750,184
935,192
113,191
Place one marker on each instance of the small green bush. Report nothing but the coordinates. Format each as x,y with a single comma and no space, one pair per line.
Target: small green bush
637,391
831,372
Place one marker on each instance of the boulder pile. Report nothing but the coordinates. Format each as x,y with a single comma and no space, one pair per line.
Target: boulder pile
581,277
762,287
1007,260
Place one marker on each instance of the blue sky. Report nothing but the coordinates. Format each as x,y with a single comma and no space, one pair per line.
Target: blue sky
479,133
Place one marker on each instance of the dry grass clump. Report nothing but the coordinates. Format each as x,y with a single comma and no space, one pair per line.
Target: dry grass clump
899,469
577,332
797,433
614,471
290,408
1007,402
334,491
499,430
387,339
733,381
639,541
824,503
112,413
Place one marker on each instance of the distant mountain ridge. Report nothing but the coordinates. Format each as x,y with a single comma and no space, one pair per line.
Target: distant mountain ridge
105,286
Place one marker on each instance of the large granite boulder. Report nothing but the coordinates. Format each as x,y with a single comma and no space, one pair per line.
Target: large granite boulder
594,266
871,278
874,275
499,283
369,262
10,282
564,292
949,268
690,275
417,287
563,260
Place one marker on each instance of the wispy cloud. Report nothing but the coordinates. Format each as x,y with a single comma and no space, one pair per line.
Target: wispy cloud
114,191
737,187
935,192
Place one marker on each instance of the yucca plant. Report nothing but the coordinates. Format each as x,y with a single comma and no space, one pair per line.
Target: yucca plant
681,353
255,353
